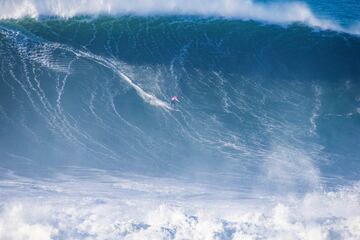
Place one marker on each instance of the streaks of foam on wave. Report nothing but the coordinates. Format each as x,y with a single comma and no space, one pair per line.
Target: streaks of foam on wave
41,52
113,65
316,109
50,114
244,9
43,59
283,164
54,116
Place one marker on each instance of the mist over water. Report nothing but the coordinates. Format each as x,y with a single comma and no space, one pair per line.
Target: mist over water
263,144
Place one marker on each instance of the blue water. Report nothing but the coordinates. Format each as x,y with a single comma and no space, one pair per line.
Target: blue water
264,143
343,12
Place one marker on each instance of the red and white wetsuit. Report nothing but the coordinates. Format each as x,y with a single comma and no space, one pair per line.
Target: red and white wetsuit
174,98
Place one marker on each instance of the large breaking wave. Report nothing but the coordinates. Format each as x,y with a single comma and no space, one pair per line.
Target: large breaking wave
275,12
269,116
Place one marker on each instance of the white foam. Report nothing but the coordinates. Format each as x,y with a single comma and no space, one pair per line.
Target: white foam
316,109
288,168
285,12
94,208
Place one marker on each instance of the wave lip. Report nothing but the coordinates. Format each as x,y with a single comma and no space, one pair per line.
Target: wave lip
280,13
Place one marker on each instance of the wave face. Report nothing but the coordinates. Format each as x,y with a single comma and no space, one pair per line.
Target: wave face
265,111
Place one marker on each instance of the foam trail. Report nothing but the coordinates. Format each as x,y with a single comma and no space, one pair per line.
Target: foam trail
243,9
147,97
315,113
111,64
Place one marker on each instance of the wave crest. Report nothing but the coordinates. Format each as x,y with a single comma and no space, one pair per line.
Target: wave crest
245,9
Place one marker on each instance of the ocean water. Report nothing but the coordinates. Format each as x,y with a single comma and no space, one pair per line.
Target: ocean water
264,144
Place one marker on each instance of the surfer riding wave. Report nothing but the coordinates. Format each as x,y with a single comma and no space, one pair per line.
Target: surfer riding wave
174,100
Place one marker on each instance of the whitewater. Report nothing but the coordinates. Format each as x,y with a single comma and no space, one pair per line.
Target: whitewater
264,143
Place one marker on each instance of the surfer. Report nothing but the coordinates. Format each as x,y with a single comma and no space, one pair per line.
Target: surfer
174,100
